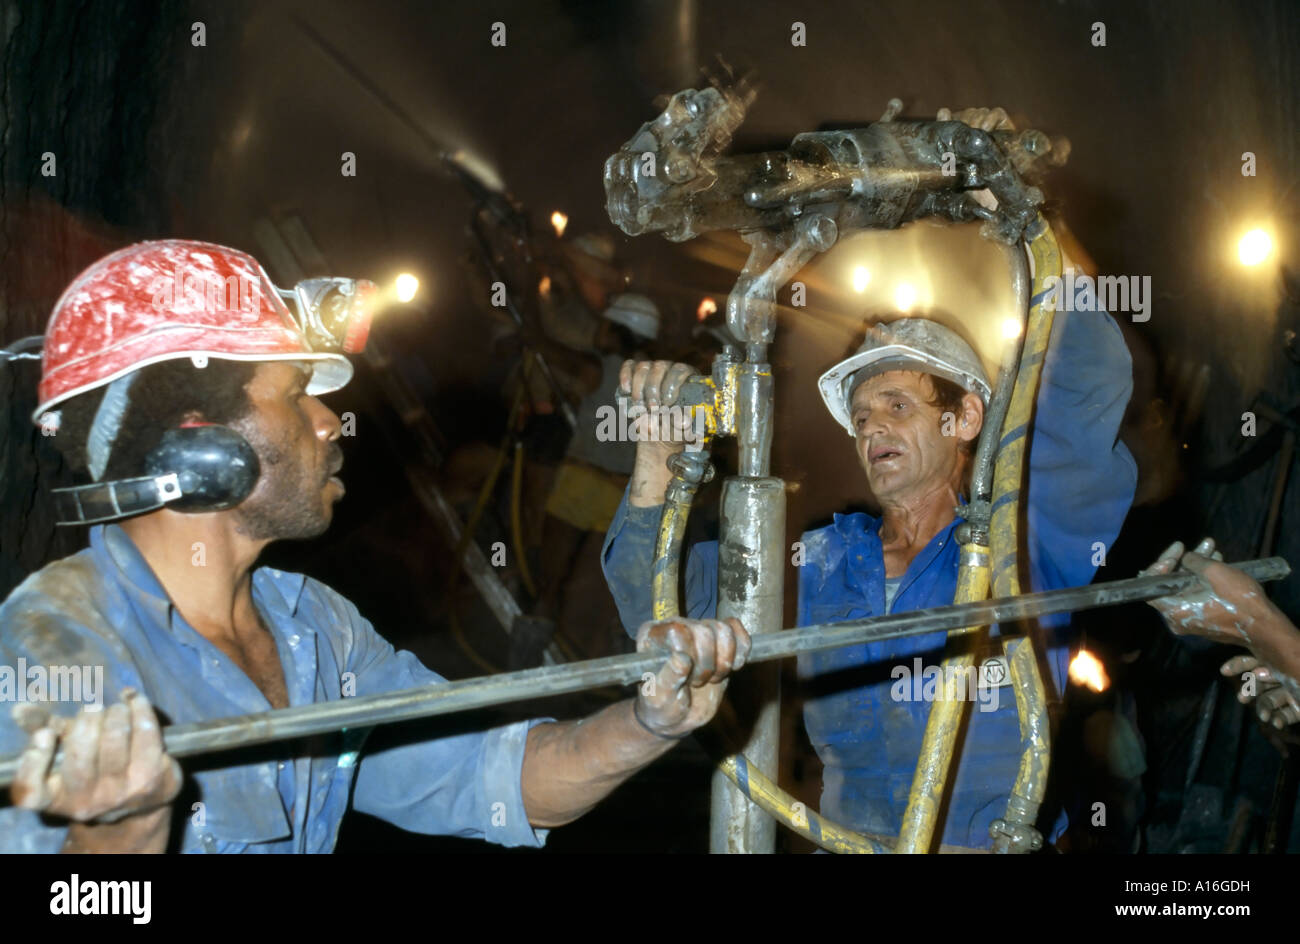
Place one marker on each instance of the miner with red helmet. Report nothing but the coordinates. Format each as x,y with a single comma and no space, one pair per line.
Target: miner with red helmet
183,386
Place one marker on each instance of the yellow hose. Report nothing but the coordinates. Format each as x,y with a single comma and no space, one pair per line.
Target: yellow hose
932,766
935,761
1016,831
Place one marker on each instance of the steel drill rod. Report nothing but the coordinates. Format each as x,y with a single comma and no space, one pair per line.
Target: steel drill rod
186,740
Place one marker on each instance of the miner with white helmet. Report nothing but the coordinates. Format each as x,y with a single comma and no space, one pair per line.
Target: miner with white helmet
913,399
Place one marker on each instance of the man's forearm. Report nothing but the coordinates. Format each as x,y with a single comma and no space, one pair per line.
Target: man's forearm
650,477
145,832
571,766
1276,642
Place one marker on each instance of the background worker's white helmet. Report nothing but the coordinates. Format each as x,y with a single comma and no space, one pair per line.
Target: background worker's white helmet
636,313
906,344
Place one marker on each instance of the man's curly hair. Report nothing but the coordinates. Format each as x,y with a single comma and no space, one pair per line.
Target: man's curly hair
159,400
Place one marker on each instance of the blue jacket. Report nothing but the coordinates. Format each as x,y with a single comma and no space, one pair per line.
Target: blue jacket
865,713
102,617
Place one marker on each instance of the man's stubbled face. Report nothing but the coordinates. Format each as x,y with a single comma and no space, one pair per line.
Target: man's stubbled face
295,438
900,435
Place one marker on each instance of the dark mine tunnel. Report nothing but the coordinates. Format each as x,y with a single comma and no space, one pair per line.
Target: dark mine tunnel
397,296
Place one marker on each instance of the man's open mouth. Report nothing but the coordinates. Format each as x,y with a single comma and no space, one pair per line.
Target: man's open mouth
883,454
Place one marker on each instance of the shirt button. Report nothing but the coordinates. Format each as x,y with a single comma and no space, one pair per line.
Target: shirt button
293,640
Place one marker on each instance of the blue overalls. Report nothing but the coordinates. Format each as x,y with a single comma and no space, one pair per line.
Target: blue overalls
863,717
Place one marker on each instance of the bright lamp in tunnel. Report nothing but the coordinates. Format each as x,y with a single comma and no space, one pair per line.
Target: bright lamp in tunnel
861,279
1011,328
559,221
905,296
707,307
1254,247
1086,670
406,287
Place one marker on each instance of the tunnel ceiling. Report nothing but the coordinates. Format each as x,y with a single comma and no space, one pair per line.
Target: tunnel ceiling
165,138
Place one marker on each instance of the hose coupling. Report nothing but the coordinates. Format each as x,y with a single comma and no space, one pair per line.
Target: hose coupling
1014,838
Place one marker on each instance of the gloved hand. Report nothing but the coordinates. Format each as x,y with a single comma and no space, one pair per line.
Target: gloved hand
688,689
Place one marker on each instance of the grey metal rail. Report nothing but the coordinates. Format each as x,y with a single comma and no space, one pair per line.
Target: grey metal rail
186,740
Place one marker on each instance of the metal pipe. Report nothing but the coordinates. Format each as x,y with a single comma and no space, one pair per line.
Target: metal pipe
754,419
186,740
751,578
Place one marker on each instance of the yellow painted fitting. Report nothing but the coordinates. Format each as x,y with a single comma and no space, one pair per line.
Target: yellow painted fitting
725,418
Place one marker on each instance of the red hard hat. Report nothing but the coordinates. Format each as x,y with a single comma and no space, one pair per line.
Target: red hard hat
173,298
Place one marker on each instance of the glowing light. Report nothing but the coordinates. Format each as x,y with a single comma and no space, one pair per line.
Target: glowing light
1254,247
559,221
1011,328
861,279
1087,670
707,307
407,286
905,296
544,286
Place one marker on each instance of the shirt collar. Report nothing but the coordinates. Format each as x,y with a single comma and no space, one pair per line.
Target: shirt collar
113,545
855,525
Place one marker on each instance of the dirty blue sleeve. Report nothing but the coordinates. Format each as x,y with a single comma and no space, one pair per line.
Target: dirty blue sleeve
34,633
1081,477
628,556
466,785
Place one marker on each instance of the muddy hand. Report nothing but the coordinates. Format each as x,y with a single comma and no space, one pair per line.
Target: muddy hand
113,763
652,388
1223,607
1274,694
688,688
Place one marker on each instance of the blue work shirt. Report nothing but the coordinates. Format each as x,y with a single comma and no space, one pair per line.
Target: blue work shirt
105,607
1081,481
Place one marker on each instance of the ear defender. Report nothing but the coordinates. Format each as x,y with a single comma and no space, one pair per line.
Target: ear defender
194,468
215,467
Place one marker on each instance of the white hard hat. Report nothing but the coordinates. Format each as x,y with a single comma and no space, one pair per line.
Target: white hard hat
906,344
636,313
